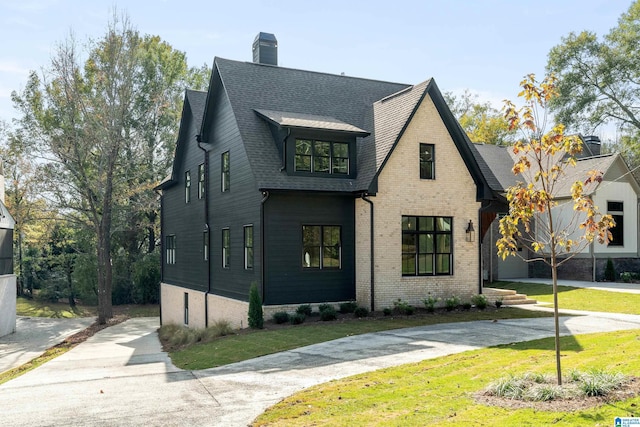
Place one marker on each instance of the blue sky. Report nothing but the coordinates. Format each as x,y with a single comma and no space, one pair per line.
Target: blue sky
486,46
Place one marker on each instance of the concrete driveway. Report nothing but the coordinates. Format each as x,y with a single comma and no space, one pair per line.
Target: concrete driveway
120,376
33,336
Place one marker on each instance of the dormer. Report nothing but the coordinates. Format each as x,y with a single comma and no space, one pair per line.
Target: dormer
313,145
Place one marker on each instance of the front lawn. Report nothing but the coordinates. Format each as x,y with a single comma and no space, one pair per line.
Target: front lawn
441,391
577,298
254,343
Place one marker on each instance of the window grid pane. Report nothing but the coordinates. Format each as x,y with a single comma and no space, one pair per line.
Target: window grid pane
225,171
321,247
322,157
427,157
187,186
225,247
248,247
201,181
427,246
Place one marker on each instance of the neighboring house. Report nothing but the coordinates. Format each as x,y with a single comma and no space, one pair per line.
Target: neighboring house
8,290
319,188
618,194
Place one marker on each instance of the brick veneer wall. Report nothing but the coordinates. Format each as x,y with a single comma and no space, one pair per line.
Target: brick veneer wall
402,192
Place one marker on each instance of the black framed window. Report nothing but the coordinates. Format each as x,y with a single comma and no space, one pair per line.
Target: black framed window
322,157
201,181
226,247
321,246
186,308
427,161
427,245
616,210
187,186
225,168
248,247
170,249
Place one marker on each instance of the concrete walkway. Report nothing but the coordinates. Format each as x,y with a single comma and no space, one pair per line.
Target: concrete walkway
33,336
121,377
631,288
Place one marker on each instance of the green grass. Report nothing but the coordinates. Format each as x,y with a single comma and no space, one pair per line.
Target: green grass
440,391
250,344
48,355
578,298
39,308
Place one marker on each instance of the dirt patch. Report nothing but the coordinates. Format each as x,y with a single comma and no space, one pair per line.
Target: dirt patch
90,331
630,390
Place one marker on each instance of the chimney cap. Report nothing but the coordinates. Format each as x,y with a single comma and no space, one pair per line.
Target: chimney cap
267,37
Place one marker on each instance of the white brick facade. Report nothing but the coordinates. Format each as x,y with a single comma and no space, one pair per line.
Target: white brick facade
401,192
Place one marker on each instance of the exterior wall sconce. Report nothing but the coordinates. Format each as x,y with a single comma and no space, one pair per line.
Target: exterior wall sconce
471,232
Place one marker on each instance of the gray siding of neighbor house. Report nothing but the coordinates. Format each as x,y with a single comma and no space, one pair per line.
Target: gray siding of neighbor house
233,209
6,251
286,282
185,220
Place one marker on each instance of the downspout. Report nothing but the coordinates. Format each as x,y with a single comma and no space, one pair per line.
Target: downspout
206,227
284,151
265,196
593,261
372,252
159,193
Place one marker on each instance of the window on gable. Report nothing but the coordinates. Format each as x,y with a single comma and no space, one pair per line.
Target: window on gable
226,247
322,157
616,210
427,159
321,246
427,246
201,181
170,249
225,171
248,247
187,186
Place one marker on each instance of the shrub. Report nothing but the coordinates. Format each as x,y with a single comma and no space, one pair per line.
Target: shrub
498,303
304,309
626,277
329,313
480,301
452,303
430,303
403,307
348,307
220,328
386,311
466,306
361,312
599,382
256,316
281,317
610,271
297,318
323,307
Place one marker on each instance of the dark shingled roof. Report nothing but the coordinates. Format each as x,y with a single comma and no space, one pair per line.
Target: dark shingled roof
250,86
496,163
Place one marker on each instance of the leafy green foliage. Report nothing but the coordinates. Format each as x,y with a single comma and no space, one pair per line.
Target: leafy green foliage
403,307
329,313
361,312
304,309
297,318
281,317
256,315
348,307
452,303
610,271
480,301
430,303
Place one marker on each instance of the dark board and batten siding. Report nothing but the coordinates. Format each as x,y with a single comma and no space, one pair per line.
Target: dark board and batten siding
185,220
287,282
233,209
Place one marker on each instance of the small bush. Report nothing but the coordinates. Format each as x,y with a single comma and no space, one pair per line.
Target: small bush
610,271
256,316
281,317
297,318
361,312
323,307
403,307
626,277
386,311
466,306
544,393
511,387
498,303
599,382
430,303
348,307
220,328
304,309
452,303
480,301
329,313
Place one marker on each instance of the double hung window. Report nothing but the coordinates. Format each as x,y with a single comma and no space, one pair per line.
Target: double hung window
321,246
427,243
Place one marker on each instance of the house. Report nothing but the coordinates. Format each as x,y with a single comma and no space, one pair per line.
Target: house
617,194
320,188
8,290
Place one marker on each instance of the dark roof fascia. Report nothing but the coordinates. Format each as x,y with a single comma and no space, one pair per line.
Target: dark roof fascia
214,78
373,186
460,138
355,194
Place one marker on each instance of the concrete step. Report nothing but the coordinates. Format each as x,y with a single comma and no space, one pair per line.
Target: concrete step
508,296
